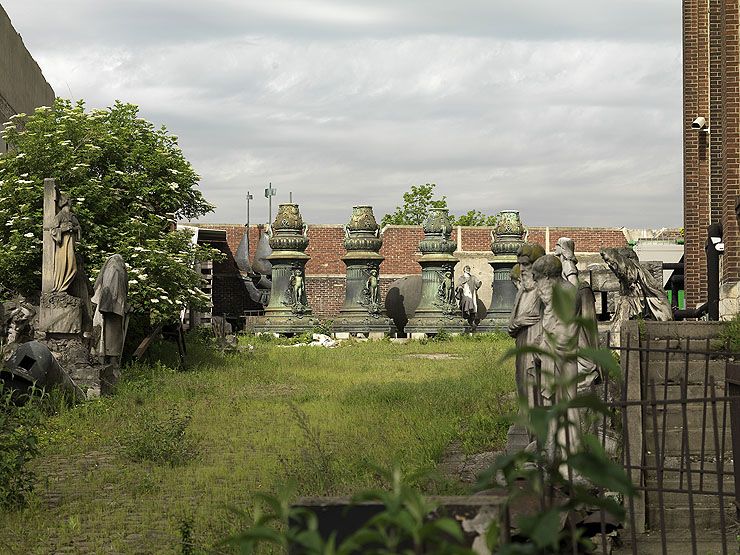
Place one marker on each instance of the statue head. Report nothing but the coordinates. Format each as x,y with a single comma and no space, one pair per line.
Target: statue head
547,272
526,255
629,253
466,270
64,201
373,272
565,247
516,275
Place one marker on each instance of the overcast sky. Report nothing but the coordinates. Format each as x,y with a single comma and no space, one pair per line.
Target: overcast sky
569,111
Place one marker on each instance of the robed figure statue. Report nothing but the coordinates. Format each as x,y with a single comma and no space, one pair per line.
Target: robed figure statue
65,233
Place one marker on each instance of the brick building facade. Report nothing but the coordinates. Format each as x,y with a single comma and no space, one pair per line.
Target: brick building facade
325,272
711,185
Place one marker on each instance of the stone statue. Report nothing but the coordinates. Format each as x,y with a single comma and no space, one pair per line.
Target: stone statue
587,370
20,318
371,292
65,232
111,310
467,294
558,379
446,289
373,286
640,295
297,291
525,324
516,276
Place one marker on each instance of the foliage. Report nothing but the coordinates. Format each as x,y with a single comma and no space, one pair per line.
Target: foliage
317,458
124,177
417,202
159,440
474,218
566,471
416,205
401,526
729,335
18,446
373,403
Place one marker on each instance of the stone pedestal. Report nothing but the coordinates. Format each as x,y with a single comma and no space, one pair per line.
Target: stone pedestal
506,238
438,308
60,313
288,311
363,310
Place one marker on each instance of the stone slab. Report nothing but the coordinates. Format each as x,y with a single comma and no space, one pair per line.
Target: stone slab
60,313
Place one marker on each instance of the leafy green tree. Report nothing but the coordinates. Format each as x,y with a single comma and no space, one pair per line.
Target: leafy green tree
418,201
124,177
474,218
416,205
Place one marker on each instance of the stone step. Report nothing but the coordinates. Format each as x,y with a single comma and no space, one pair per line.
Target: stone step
697,416
672,443
695,372
678,542
693,391
679,518
704,500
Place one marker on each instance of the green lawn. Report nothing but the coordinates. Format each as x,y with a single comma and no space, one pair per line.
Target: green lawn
323,417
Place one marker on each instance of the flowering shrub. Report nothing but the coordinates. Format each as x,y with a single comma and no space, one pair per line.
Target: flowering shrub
124,177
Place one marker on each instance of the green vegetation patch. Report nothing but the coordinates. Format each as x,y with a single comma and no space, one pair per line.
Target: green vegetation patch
174,449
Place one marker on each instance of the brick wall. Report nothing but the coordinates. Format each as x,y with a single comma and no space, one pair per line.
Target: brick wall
697,195
729,92
711,181
325,271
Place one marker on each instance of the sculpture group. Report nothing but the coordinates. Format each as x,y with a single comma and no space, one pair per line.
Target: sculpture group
554,311
71,338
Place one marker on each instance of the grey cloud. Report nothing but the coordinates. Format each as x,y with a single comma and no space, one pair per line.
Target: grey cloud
571,125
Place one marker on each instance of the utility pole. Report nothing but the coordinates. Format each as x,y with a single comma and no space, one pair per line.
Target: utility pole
269,193
291,197
249,197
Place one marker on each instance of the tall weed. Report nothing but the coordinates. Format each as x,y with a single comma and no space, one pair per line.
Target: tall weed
159,440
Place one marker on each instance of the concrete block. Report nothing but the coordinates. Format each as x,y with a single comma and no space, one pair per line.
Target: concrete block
341,335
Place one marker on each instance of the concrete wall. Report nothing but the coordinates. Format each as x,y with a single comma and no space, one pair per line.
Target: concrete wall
22,85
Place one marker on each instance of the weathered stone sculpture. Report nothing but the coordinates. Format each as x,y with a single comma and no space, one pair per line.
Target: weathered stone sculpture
558,378
111,310
363,310
467,294
60,312
20,318
640,295
587,370
288,311
437,309
506,238
65,232
525,322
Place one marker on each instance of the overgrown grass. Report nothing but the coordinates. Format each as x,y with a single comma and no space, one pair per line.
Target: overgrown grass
323,417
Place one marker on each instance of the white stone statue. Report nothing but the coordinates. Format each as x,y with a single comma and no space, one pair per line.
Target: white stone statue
467,295
111,310
525,322
588,371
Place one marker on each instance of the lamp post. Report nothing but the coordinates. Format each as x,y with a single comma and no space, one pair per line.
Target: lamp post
269,193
